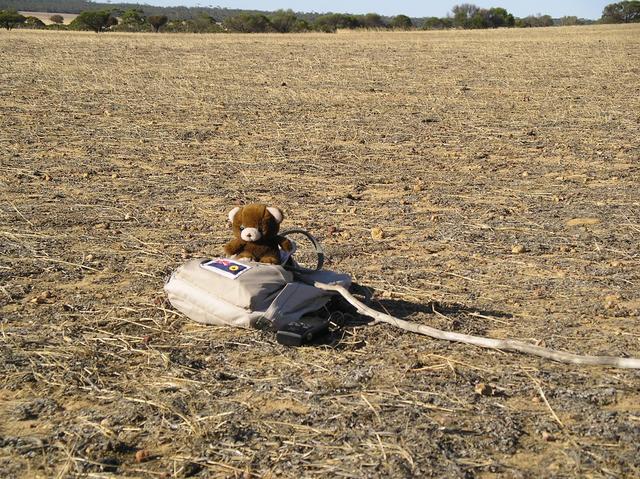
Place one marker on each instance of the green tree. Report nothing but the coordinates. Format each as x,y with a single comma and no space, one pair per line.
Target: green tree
622,12
33,22
332,21
435,23
401,22
301,25
535,21
157,22
284,21
57,19
248,23
203,23
96,20
499,17
463,14
569,21
10,19
371,20
133,19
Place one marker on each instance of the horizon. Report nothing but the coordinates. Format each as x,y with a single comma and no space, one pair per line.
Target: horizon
591,9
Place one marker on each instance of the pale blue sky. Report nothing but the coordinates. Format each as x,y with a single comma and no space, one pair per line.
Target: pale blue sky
414,8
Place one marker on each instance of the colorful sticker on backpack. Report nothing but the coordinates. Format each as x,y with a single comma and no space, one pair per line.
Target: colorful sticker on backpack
226,267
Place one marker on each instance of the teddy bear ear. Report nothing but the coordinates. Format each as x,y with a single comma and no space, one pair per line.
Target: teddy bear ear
276,213
233,213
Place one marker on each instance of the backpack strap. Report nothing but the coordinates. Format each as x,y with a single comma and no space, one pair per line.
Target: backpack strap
291,264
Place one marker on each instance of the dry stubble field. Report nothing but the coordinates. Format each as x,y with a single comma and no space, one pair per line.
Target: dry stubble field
121,154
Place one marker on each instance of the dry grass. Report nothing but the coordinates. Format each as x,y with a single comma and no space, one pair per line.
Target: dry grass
121,154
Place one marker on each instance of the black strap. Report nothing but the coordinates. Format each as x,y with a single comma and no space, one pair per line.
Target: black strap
316,244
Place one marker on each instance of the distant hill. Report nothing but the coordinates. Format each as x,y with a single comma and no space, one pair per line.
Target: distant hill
220,14
78,6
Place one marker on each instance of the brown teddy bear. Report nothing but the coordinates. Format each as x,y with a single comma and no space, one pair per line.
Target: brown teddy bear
255,228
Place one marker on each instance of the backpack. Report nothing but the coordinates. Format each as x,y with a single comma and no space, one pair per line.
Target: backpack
241,293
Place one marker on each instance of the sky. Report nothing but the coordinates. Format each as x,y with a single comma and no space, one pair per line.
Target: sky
414,8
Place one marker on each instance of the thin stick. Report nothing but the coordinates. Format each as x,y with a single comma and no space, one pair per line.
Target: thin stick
544,398
503,344
52,260
21,215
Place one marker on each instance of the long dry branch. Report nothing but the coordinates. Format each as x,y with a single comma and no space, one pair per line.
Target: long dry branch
502,344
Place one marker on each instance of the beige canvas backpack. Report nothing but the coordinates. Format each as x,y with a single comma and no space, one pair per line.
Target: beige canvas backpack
232,292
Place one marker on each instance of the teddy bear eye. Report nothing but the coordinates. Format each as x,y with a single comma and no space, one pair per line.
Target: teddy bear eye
241,227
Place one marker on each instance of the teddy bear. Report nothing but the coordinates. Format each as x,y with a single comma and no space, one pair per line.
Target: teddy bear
255,228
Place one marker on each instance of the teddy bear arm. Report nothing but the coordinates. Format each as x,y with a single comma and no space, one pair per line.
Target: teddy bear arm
233,247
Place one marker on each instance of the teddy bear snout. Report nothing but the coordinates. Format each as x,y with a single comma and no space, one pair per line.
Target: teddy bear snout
250,234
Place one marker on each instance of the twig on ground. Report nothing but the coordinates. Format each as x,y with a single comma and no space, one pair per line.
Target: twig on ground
504,344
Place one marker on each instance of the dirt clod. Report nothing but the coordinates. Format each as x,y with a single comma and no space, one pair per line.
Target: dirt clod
143,455
377,233
483,389
518,249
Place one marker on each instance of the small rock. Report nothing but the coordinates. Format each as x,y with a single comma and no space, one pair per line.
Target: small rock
143,455
611,301
114,175
377,233
525,174
483,389
518,249
547,436
88,258
42,297
108,464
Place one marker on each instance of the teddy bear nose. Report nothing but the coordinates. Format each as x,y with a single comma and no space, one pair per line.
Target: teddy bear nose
250,234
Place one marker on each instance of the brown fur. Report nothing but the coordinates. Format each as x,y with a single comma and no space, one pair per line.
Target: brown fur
265,249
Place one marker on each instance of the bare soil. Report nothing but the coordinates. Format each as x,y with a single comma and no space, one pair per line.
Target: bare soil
502,167
45,16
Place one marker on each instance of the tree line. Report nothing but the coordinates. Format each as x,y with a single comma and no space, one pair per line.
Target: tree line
465,16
